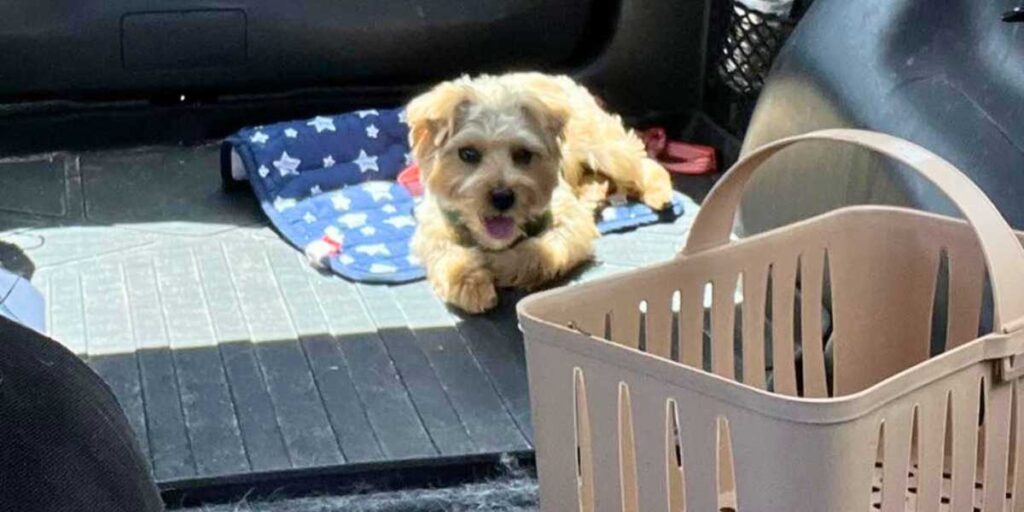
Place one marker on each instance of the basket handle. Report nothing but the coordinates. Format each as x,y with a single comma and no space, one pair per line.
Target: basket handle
1003,253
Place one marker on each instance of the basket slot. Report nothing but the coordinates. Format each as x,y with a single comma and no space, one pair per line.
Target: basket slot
965,410
648,410
700,445
878,449
674,460
691,323
676,334
812,269
939,339
827,332
625,324
966,284
584,454
1017,448
723,325
915,457
932,417
755,288
783,292
998,408
558,442
658,325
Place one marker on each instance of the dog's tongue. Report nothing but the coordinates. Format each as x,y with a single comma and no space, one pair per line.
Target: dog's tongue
500,227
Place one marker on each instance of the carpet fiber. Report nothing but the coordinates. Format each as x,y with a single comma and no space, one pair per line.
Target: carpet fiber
516,492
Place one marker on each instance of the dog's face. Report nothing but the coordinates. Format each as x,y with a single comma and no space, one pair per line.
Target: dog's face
488,151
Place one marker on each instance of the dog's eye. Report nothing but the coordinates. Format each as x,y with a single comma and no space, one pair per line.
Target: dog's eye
470,155
522,157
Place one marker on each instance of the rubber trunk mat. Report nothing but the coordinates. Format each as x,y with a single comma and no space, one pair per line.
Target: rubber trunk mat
230,355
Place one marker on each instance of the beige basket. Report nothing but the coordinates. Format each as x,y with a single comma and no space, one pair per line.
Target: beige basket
627,420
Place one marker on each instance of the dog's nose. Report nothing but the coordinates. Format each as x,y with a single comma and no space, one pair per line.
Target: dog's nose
502,199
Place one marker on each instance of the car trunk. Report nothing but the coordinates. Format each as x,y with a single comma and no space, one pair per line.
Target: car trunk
241,369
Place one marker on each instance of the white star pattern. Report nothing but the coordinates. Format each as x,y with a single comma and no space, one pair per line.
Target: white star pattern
366,162
609,214
412,259
402,118
353,220
287,165
372,131
378,190
322,123
364,113
389,208
328,161
315,190
346,259
259,138
333,233
263,171
368,231
340,202
382,268
281,204
374,250
408,159
290,133
309,218
401,222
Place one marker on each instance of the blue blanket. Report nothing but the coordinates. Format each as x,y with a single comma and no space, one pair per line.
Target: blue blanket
334,176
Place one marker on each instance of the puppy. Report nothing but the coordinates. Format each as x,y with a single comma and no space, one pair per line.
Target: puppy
496,212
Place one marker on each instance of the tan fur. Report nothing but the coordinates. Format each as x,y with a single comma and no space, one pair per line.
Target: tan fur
578,150
600,155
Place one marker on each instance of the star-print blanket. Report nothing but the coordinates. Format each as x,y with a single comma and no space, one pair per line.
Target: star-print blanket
334,178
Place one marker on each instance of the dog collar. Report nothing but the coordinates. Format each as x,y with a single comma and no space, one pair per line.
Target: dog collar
533,228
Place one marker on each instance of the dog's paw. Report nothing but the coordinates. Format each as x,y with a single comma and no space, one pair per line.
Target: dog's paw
658,199
527,266
473,291
657,185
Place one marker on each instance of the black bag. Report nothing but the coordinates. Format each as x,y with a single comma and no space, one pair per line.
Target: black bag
65,444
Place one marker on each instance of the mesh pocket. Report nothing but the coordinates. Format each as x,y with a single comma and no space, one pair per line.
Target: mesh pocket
749,47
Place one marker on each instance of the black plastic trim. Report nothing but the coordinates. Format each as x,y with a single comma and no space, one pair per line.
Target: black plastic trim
393,475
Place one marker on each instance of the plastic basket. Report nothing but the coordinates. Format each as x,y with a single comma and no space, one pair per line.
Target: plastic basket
627,417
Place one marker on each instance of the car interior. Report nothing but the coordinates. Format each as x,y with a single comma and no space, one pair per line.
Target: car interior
162,347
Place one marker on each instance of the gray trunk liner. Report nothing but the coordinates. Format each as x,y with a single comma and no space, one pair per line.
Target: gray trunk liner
229,354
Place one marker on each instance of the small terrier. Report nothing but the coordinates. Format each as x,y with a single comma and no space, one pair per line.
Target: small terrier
514,167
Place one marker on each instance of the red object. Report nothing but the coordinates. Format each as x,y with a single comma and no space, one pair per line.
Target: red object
335,245
410,179
678,157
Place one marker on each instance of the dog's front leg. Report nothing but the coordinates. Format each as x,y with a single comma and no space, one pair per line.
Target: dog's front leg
568,243
459,275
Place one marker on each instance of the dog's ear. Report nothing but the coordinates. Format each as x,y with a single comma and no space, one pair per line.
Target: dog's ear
432,118
550,110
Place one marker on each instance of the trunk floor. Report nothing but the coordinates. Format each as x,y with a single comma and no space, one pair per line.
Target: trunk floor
229,354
